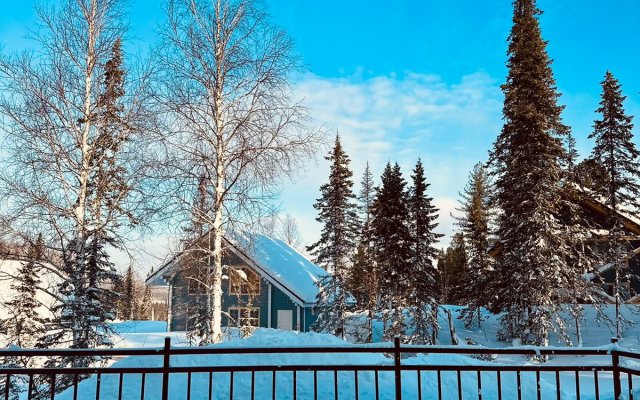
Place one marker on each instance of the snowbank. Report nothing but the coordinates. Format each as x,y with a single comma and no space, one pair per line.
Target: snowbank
325,380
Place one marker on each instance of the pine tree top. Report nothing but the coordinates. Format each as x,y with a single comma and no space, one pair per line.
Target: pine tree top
614,150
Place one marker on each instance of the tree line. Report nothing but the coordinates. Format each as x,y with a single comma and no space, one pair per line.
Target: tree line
524,244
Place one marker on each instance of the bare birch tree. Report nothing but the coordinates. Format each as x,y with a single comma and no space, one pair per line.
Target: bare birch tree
235,129
73,169
288,231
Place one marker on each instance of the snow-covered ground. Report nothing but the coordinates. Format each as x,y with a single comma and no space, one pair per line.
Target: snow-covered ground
151,334
325,380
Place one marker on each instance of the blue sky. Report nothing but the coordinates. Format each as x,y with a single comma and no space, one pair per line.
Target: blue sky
412,78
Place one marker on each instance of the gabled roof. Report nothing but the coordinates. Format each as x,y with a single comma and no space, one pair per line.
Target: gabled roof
284,264
274,260
591,201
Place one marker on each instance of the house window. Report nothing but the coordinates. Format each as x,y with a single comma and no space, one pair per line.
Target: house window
194,286
244,316
243,281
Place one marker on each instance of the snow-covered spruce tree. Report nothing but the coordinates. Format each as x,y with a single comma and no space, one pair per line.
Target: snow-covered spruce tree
451,264
24,324
473,221
422,288
617,154
363,282
392,243
527,161
233,129
127,300
144,307
337,211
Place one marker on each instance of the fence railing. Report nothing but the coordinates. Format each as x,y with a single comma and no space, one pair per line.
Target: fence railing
192,373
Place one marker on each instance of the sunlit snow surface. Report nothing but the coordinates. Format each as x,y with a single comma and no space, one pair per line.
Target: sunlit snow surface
283,263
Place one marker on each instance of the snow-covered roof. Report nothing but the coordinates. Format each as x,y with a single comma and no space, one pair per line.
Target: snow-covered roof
275,261
283,263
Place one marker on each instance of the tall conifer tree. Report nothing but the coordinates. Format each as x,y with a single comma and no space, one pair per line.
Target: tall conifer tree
474,226
617,155
392,241
422,296
127,303
528,159
337,211
24,325
363,279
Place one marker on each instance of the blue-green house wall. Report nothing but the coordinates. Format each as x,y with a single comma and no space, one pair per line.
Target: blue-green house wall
183,303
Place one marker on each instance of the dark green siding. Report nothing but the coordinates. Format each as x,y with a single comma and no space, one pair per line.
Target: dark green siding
183,303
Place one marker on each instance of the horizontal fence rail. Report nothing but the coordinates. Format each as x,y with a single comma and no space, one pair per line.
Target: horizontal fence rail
183,373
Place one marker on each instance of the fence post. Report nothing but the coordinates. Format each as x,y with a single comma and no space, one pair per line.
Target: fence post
398,371
615,362
165,368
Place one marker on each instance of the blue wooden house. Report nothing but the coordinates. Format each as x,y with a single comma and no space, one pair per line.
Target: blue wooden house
266,283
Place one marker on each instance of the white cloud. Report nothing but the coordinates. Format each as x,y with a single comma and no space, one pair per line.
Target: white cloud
400,118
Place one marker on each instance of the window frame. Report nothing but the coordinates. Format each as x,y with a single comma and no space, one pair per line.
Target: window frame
240,319
248,271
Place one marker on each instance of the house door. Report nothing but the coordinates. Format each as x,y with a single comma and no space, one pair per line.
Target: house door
285,320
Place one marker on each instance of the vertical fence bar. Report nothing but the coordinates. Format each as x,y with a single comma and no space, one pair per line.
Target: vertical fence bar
273,385
98,383
398,371
53,386
419,384
356,382
557,385
30,387
231,385
479,386
596,384
210,385
335,384
630,378
459,375
188,385
253,385
519,382
165,368
377,387
120,379
499,382
615,361
7,387
295,385
75,388
538,388
142,383
578,385
315,384
439,386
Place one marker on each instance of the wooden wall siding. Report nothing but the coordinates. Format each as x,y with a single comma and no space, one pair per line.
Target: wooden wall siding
634,277
183,303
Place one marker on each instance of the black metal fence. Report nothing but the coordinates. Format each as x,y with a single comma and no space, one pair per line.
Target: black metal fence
182,373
